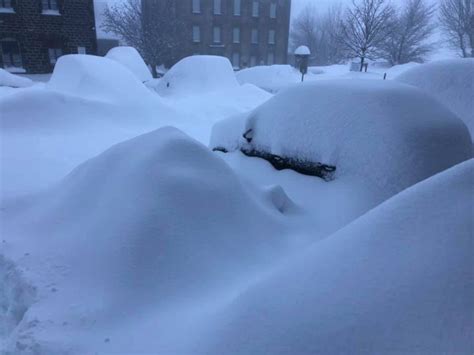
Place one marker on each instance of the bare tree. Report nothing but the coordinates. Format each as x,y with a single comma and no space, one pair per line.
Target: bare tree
366,25
457,20
152,27
409,40
316,31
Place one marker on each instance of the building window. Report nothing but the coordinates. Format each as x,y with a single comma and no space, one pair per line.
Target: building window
236,60
270,58
273,10
217,7
54,54
196,6
11,54
254,36
255,8
81,50
253,61
50,5
196,34
216,34
236,35
271,37
6,6
237,7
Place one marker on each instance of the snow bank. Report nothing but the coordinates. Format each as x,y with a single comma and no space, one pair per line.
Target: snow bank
130,58
198,74
96,78
389,134
398,280
270,78
155,221
12,80
449,81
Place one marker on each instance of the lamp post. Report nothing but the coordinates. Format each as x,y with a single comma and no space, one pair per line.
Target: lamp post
302,54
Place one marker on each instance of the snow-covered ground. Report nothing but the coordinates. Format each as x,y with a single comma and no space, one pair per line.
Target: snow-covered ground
123,232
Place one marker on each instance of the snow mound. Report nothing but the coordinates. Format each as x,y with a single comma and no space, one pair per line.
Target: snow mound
389,134
271,78
397,280
96,78
12,80
302,50
130,58
198,74
451,82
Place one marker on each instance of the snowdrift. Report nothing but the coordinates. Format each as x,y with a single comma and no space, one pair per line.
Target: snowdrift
96,78
271,78
12,80
153,221
451,82
397,280
389,134
131,59
196,75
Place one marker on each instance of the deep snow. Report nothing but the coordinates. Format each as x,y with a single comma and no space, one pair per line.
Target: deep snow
130,58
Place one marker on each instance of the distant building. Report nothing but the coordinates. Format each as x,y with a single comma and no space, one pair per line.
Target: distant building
248,32
35,33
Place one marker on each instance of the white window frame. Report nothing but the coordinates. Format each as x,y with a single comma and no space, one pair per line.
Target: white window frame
54,54
6,6
217,7
255,8
237,7
236,35
216,35
236,58
196,6
273,10
196,34
271,37
254,36
272,56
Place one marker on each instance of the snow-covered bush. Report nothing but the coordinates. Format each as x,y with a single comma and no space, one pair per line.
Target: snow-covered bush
449,81
389,134
12,80
96,78
398,280
198,74
130,58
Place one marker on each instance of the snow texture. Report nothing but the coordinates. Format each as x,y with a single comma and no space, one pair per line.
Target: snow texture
198,74
451,82
398,280
270,78
390,134
302,50
12,80
130,58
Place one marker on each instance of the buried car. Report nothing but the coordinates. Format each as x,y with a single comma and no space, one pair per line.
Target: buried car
389,134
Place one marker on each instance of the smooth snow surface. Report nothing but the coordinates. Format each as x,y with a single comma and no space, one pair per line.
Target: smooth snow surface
302,50
96,78
399,280
12,80
449,81
389,134
271,78
130,58
198,74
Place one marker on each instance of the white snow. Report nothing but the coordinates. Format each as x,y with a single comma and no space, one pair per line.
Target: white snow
197,74
96,78
12,80
398,280
130,58
449,81
302,50
389,134
271,78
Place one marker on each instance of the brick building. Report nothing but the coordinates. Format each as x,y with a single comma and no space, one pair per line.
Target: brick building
248,32
34,33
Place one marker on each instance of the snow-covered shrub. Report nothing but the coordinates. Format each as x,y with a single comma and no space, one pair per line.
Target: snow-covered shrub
12,80
130,58
398,280
198,74
96,78
449,81
389,134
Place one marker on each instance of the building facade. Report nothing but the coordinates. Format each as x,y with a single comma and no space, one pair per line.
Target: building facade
248,32
35,33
